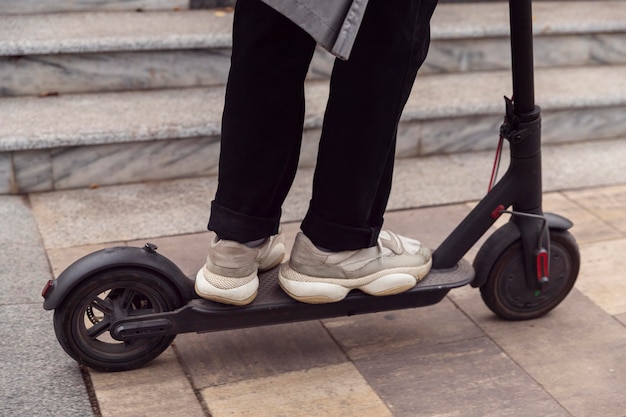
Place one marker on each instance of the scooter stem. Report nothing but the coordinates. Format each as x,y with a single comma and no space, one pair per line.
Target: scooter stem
521,20
521,186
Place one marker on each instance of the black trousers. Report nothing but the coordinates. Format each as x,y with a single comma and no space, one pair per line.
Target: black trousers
264,113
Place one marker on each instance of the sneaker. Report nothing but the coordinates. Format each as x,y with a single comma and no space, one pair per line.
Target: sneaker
314,276
229,275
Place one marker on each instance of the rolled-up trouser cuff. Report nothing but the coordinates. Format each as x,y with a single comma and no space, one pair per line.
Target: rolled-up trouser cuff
338,237
231,225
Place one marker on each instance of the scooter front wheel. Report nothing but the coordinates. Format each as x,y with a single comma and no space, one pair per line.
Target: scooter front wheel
506,291
82,322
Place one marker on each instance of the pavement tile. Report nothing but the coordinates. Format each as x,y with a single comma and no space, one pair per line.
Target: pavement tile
24,268
6,173
159,389
601,276
607,203
38,378
372,334
60,259
122,213
577,352
236,355
587,226
188,252
430,225
586,164
467,378
334,390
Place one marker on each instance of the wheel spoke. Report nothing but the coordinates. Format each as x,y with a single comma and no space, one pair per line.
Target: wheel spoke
99,328
103,305
125,300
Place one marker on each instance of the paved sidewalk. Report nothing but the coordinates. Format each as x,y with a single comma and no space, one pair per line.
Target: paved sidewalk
451,359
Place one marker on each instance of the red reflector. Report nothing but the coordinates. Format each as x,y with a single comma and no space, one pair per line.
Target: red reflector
497,212
542,264
47,288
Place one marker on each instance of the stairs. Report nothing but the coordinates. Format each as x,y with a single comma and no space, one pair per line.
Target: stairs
104,94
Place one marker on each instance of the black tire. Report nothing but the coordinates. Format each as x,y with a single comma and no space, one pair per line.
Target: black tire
506,292
82,321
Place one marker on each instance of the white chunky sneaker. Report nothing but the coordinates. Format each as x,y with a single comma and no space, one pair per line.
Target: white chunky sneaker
229,275
314,276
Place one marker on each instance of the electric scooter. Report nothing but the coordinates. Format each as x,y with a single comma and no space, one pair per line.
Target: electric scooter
119,308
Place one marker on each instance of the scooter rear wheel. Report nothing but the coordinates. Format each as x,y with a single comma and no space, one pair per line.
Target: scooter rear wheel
506,291
83,320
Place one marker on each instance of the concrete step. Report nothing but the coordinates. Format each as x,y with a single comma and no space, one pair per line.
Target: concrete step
94,52
76,141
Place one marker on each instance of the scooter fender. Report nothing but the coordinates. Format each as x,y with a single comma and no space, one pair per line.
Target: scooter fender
122,256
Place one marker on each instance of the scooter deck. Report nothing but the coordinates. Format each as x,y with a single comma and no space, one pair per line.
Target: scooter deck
273,306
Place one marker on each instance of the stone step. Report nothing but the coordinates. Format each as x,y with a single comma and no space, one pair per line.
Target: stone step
75,141
8,7
93,52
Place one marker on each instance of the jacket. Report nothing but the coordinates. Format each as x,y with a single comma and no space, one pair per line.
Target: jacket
334,24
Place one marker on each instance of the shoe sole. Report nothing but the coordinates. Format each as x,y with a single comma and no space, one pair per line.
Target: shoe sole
239,296
244,294
313,290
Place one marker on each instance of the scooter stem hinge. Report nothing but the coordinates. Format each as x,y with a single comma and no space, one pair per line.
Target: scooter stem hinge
516,128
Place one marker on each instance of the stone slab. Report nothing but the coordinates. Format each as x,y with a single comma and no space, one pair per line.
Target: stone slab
467,378
583,165
111,164
430,225
6,174
587,227
62,258
25,268
492,18
577,352
215,359
188,252
337,390
161,389
601,275
104,31
55,6
74,120
113,71
372,335
492,54
37,378
607,203
66,73
123,213
148,210
82,32
33,171
171,114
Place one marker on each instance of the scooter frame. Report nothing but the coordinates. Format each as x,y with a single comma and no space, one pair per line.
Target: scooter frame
519,188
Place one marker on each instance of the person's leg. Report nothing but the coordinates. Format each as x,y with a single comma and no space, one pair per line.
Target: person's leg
262,122
342,246
368,93
261,135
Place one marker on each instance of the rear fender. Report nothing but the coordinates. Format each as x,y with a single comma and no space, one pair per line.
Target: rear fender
111,258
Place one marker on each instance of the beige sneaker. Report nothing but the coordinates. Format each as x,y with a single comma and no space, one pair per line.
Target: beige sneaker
313,276
229,275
